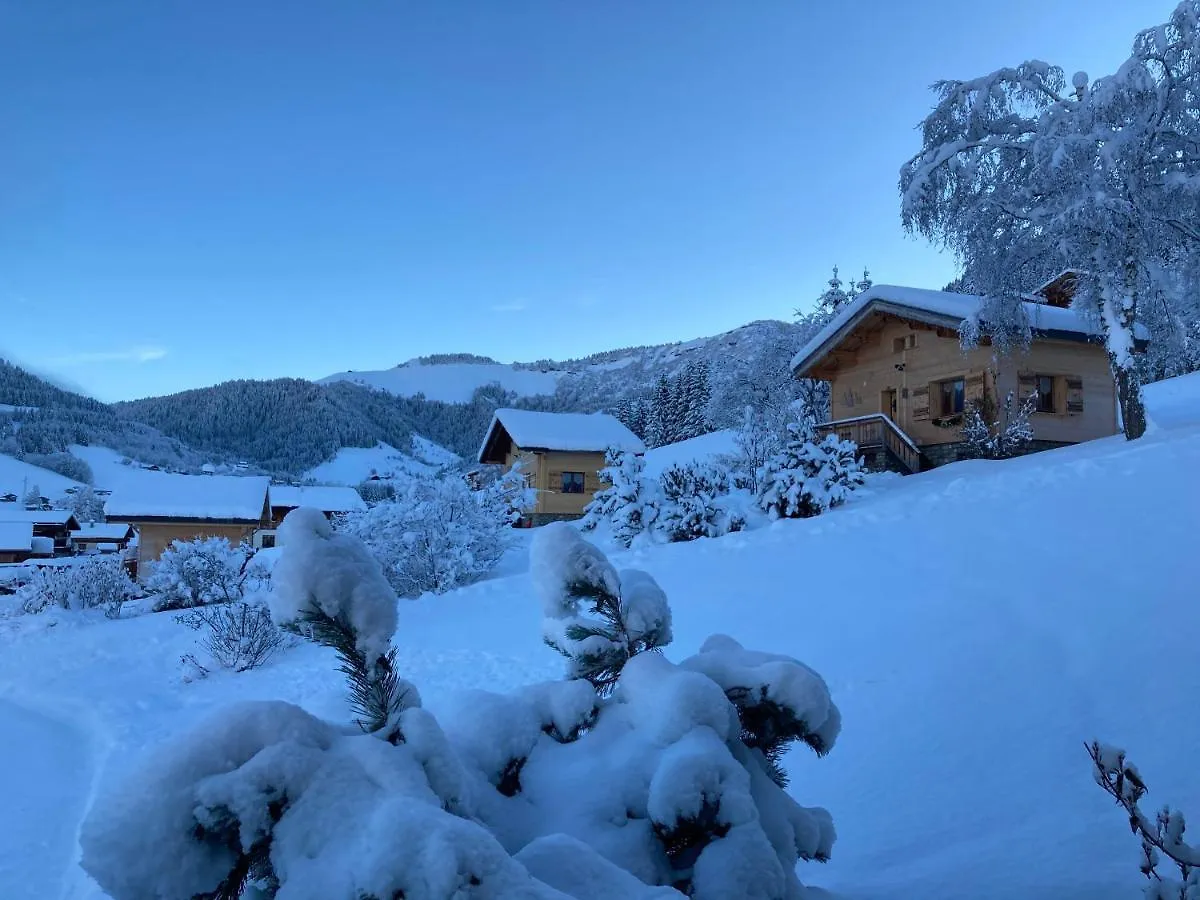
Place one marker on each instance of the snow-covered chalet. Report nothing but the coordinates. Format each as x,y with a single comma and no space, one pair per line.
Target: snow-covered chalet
901,382
561,453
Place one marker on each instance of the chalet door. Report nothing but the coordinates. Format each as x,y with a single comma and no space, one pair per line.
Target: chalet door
887,403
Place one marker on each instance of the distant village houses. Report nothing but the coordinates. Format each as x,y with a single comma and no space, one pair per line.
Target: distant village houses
561,453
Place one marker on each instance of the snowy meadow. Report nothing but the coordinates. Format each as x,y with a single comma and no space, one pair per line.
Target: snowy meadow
974,625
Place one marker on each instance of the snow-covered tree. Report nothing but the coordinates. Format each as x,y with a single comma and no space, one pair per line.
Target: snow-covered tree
993,433
694,396
33,497
98,582
1161,836
1021,176
630,502
695,503
757,440
198,572
86,506
596,618
436,535
807,476
606,500
509,495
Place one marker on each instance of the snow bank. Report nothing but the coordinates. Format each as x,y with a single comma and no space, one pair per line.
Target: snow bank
705,448
1174,402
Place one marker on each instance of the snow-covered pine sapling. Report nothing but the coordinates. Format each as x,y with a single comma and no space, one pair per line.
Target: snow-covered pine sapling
1162,834
779,700
596,618
693,504
330,588
807,477
605,501
998,434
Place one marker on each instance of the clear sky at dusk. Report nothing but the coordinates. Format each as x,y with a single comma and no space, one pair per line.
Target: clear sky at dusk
199,191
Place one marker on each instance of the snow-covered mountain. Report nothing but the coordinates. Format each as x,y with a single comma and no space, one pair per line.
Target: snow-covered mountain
451,382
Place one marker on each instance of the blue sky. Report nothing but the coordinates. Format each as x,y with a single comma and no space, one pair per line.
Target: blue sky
195,192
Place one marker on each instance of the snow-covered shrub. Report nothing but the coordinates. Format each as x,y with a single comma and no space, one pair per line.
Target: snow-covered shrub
695,503
998,434
329,587
757,440
508,495
807,476
86,506
94,583
596,618
1161,835
436,535
238,636
662,789
198,572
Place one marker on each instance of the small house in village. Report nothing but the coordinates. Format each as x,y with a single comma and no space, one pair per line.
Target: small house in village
187,507
561,453
51,528
102,537
332,500
16,541
901,382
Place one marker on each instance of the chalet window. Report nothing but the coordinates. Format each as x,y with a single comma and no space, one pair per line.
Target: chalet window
952,395
1044,385
572,482
900,344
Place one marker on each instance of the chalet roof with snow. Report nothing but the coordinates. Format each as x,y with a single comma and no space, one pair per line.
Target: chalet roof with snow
326,498
938,308
16,537
564,432
191,498
102,531
59,517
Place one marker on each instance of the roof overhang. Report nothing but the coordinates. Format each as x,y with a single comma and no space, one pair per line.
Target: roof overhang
492,443
179,520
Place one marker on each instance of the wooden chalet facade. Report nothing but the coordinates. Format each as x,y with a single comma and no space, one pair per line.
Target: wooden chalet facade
561,453
51,528
900,381
188,507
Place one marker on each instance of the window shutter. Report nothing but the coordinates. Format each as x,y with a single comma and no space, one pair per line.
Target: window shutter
920,404
1074,386
974,389
1026,386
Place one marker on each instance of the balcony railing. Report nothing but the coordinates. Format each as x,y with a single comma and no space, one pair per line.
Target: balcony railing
877,431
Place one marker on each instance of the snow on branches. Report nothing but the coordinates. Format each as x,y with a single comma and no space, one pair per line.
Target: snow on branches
807,476
1022,176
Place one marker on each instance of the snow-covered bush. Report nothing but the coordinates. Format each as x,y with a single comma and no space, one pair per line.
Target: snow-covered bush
998,434
1161,835
95,582
595,617
757,440
436,535
238,636
695,503
807,476
198,572
508,495
86,506
664,788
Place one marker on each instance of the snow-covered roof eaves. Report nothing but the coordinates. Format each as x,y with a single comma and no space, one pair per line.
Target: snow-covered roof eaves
564,432
16,536
191,498
326,498
39,516
935,308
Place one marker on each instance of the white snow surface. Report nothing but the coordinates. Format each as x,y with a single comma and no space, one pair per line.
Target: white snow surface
581,432
35,516
968,678
15,535
115,531
1042,317
705,448
17,476
352,465
327,498
451,382
207,497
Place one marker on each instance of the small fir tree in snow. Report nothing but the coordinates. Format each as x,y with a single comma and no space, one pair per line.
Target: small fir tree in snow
1164,834
84,505
756,442
695,503
605,501
33,497
596,618
807,476
998,434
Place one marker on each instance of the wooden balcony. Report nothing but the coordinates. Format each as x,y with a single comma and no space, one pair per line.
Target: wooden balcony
880,438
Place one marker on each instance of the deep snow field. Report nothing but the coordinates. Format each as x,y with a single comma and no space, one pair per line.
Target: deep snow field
976,625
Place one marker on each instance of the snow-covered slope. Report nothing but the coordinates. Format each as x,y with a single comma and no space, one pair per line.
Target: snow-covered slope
451,382
353,465
705,448
976,625
17,476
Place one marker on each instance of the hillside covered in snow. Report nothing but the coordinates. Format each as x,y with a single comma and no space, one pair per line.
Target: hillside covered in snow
975,625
